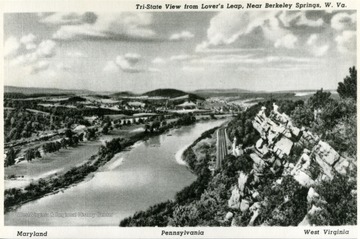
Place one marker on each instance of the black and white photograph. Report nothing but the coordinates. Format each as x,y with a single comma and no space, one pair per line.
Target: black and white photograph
164,118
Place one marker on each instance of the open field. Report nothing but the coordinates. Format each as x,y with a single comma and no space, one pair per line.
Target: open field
50,164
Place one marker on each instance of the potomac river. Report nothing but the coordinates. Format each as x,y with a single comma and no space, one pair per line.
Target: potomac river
149,173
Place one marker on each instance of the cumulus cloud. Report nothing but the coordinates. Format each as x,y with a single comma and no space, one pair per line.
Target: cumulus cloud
227,27
128,63
321,50
312,39
11,46
132,58
316,48
75,54
298,18
39,66
46,48
106,26
36,59
63,67
249,59
182,57
29,41
288,41
152,69
111,67
193,68
158,60
346,42
181,36
62,18
343,21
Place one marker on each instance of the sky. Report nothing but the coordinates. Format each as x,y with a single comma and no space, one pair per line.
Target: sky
142,51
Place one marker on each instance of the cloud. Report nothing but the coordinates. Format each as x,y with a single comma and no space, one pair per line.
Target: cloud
152,69
343,21
182,36
321,50
75,54
312,39
11,46
128,63
249,59
62,18
158,60
183,57
106,26
304,21
63,67
39,66
228,27
315,47
200,49
256,28
111,67
298,18
46,48
193,68
346,42
288,41
132,58
36,59
29,41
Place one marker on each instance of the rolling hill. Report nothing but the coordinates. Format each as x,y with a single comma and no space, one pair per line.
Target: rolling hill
172,93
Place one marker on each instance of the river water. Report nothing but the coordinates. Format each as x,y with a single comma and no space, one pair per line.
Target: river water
149,173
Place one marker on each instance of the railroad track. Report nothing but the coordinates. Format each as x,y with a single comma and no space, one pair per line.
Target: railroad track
221,147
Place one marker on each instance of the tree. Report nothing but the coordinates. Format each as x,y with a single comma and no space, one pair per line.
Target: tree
68,133
319,99
10,157
302,116
347,89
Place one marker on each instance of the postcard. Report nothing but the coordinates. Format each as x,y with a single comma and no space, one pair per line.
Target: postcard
179,119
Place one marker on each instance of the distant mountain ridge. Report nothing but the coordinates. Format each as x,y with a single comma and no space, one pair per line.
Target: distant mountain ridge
38,90
123,93
219,91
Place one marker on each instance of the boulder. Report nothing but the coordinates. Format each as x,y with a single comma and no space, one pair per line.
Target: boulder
305,222
303,179
242,180
234,201
244,205
255,195
228,216
326,153
342,165
312,196
312,211
325,167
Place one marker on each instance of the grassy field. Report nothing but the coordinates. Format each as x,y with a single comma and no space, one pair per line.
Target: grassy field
50,164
